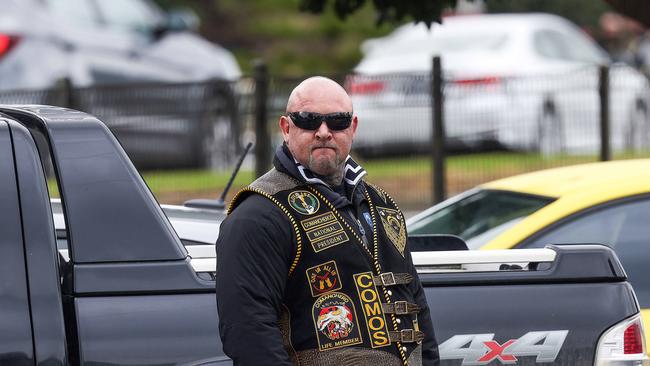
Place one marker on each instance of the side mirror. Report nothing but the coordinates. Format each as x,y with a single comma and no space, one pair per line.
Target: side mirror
429,242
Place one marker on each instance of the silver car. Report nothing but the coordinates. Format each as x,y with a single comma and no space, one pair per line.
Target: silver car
523,81
166,93
94,42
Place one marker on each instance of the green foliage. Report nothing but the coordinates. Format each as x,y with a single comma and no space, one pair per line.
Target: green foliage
295,43
326,37
392,11
582,12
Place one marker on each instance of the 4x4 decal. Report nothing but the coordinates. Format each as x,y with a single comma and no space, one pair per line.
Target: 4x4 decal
481,349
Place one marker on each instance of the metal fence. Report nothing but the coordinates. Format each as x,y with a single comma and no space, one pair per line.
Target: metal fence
161,126
487,127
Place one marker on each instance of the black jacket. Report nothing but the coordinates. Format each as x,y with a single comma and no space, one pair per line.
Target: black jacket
254,252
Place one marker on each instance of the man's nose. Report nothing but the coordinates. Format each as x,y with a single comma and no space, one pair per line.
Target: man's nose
323,132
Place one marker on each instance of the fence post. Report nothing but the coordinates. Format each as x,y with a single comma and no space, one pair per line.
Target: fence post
262,139
603,93
438,133
65,98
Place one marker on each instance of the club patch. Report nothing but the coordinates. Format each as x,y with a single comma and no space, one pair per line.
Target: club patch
371,305
325,231
366,215
329,242
335,322
394,227
317,221
304,202
323,278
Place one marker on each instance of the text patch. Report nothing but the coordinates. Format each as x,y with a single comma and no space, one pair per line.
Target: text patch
371,304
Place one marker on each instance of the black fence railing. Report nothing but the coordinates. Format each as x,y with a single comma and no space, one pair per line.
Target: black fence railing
422,136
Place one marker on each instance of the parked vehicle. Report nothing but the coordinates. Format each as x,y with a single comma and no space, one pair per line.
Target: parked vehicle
128,292
519,81
606,203
165,91
92,42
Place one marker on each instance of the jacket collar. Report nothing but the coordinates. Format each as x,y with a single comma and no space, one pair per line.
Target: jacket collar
286,163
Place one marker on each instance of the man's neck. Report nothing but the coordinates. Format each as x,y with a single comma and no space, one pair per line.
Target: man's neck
334,179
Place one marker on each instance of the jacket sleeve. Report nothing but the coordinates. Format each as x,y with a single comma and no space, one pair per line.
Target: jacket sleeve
254,251
430,356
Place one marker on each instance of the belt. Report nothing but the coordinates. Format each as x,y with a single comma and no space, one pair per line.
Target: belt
400,308
391,279
406,336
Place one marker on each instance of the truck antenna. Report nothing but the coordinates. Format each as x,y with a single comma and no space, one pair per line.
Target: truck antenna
220,203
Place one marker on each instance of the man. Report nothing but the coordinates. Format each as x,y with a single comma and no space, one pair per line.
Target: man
313,267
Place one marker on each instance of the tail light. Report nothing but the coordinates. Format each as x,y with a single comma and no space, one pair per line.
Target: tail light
364,86
623,345
484,81
7,42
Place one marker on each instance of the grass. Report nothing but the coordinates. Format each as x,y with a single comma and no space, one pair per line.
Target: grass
407,178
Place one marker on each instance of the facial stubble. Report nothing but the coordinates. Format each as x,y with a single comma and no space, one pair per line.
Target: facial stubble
331,171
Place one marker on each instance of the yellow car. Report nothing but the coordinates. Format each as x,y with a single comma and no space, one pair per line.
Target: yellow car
607,203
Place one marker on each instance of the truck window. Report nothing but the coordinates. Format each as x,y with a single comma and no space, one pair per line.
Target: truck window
623,226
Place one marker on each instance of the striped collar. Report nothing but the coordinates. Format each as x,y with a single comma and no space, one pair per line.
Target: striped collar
353,173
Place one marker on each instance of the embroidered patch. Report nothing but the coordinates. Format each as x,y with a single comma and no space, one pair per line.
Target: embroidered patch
325,231
334,319
371,305
330,241
394,227
366,215
323,278
316,221
304,202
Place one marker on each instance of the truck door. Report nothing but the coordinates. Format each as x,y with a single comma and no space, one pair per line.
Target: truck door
130,293
40,262
16,346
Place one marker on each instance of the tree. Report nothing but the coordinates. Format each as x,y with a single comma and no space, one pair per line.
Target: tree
392,11
429,11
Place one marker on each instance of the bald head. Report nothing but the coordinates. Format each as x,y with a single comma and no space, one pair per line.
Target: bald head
323,150
319,91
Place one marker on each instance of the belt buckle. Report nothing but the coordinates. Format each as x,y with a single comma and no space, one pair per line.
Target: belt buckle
407,335
400,307
387,279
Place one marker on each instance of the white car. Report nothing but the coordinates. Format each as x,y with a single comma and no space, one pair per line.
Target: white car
523,81
94,42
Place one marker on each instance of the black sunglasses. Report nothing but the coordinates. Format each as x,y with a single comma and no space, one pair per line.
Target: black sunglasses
311,120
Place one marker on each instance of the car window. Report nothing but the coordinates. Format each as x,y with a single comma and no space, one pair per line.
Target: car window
624,226
77,11
549,44
566,46
479,216
130,14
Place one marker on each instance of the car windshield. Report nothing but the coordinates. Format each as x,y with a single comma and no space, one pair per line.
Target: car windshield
479,216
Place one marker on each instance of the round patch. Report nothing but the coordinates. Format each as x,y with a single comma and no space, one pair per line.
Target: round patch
304,202
335,321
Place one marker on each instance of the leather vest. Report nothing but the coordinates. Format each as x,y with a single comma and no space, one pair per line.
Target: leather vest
344,302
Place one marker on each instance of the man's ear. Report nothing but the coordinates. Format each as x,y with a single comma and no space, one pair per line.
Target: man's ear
284,127
355,122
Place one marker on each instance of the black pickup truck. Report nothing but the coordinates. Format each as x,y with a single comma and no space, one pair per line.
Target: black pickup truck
114,285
